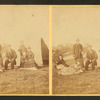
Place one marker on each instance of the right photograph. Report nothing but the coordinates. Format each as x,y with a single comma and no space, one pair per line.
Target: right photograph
76,49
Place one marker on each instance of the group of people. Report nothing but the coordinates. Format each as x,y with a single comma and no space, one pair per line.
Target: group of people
26,56
77,51
91,56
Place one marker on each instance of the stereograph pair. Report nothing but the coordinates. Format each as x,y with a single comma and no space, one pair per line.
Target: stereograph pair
26,51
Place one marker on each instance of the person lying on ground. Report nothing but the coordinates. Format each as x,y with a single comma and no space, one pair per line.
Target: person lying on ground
72,69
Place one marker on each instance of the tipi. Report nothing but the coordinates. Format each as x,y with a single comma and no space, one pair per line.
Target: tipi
44,52
41,53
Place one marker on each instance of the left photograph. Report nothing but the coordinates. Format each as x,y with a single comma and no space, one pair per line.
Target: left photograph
24,50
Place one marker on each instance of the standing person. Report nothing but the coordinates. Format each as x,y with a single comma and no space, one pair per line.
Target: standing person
77,53
10,58
23,52
92,57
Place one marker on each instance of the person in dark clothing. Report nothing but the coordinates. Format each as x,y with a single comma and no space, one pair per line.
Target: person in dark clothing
10,58
58,59
61,61
92,57
77,53
30,57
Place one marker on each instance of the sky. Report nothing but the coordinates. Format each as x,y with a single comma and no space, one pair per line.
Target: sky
24,23
70,23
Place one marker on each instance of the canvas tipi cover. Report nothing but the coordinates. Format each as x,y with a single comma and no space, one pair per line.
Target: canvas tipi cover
41,53
45,53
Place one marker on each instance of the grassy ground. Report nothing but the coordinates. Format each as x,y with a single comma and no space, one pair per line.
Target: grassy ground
83,83
25,81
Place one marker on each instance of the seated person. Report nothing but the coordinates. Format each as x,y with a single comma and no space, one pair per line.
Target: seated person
59,59
10,58
23,51
30,58
23,59
91,56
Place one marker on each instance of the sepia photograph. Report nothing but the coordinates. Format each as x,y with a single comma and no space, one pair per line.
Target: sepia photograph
76,49
24,49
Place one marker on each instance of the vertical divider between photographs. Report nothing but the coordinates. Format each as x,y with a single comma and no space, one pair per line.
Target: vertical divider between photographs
50,50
